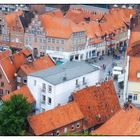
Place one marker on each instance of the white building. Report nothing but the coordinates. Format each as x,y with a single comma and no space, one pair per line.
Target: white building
54,86
132,81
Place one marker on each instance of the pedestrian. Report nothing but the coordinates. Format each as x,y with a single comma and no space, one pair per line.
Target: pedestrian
109,72
105,67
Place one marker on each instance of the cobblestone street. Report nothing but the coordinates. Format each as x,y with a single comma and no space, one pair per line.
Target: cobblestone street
108,61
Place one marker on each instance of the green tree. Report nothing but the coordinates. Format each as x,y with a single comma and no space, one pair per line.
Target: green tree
13,116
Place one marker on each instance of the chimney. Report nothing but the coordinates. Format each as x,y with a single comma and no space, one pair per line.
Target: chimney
35,52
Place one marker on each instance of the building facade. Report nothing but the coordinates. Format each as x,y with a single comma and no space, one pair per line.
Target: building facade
49,86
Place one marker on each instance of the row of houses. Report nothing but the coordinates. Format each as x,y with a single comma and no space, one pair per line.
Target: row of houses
89,108
14,69
56,90
132,78
80,34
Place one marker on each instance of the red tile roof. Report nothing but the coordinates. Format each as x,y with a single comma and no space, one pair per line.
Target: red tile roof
134,44
124,122
56,118
11,18
4,54
24,90
134,67
8,68
11,64
97,103
59,26
39,64
57,13
26,52
78,15
18,59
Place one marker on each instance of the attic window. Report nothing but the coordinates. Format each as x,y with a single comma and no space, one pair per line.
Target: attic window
138,74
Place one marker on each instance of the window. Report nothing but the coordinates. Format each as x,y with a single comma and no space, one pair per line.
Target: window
49,47
138,74
44,87
43,99
65,130
57,48
57,133
76,82
49,39
40,40
62,41
49,100
84,81
44,40
72,127
78,125
18,79
135,97
1,91
130,97
34,82
53,40
7,91
52,48
24,81
49,89
57,41
2,84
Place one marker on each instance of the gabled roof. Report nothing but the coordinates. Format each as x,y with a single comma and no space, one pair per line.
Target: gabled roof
4,54
24,90
18,59
134,68
39,64
92,29
56,118
134,44
55,12
56,26
79,15
124,122
8,68
97,103
11,64
11,18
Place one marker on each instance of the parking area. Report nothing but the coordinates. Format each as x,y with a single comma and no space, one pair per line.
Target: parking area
107,63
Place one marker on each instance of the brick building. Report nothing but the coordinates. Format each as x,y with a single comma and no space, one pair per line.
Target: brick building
59,121
9,65
13,26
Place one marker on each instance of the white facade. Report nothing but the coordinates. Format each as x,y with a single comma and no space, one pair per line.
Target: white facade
60,93
85,54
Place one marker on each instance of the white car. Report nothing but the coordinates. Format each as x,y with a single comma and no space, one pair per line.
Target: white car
117,71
